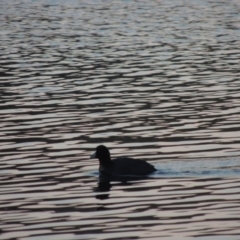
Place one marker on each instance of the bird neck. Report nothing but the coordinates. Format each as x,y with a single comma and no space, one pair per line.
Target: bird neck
106,161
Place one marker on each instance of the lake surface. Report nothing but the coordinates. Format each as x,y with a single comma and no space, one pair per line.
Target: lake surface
155,80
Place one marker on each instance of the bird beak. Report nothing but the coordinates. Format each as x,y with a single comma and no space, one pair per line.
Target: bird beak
93,155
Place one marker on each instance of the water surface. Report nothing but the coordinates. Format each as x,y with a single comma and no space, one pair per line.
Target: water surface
157,80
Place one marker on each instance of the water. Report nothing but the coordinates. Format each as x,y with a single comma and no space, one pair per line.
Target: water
157,80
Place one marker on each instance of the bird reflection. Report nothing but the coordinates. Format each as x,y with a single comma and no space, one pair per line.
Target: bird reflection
104,183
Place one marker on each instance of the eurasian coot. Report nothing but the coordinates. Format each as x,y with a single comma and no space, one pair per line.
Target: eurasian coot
121,165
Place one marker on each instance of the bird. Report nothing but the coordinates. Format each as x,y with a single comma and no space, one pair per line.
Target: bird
122,165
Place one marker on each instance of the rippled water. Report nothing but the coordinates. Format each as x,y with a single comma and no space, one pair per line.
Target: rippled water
157,80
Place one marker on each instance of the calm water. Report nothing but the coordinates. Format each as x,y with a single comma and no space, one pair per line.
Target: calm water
157,80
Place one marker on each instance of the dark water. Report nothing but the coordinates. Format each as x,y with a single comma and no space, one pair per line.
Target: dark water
157,80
